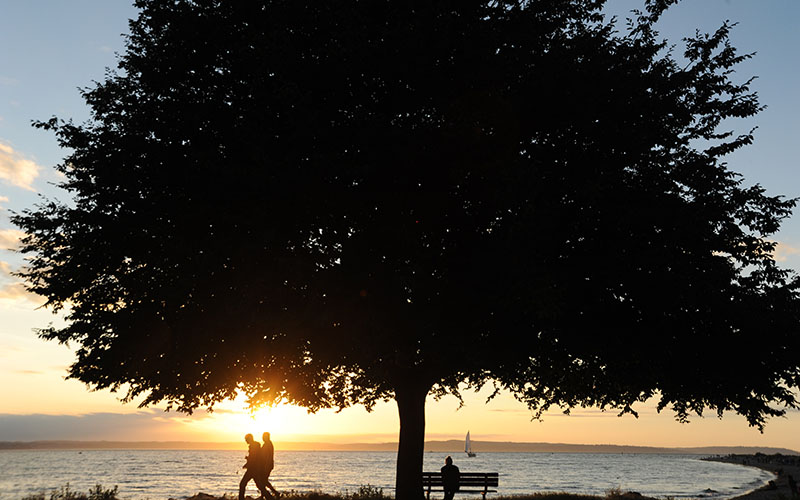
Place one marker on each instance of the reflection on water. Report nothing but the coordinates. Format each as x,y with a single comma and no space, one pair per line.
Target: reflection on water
163,474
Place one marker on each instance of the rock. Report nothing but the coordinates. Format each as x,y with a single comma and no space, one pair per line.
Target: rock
200,496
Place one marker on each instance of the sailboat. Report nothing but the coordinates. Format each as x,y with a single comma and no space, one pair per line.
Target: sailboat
468,447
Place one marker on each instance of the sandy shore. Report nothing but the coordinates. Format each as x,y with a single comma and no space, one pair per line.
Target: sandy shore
782,466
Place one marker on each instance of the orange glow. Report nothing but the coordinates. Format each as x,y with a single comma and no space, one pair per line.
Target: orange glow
231,421
265,419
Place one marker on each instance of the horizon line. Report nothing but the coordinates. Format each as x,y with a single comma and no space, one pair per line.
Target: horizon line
450,445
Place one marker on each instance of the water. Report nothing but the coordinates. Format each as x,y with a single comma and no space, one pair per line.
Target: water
163,474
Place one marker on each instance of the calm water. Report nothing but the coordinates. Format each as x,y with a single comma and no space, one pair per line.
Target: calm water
163,474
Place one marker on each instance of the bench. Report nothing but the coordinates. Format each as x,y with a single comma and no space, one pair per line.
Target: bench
466,480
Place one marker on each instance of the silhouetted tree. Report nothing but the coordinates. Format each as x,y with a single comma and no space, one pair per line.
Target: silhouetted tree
338,203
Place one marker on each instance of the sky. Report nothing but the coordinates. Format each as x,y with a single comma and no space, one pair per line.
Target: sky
51,48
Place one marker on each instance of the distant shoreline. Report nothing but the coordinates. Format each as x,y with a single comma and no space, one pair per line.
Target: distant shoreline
451,446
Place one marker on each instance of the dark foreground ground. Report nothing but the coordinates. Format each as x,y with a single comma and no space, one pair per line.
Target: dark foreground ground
371,494
364,493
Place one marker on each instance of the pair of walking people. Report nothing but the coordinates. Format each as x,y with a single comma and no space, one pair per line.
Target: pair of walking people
259,465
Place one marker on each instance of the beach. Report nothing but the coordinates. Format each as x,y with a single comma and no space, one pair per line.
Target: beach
782,466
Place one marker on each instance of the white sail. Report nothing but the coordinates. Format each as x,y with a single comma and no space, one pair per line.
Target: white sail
468,447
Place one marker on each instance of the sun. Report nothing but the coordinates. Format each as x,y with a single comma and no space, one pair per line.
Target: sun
264,419
238,423
230,421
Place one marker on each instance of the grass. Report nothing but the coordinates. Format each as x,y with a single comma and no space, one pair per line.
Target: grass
65,493
371,493
613,494
365,492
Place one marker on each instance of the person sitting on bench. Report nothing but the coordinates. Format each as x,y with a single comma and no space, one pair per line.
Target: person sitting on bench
450,477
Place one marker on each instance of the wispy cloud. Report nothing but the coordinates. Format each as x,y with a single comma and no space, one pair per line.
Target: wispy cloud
29,372
3,199
17,170
9,238
224,411
16,291
5,349
519,411
574,413
784,251
4,80
11,288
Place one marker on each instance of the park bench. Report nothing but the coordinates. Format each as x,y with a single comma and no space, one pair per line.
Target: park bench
466,480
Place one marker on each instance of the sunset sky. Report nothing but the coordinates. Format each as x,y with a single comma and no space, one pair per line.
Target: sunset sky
50,48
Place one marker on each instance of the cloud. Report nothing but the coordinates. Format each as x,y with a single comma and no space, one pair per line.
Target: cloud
17,170
11,288
16,291
3,199
4,80
7,350
784,251
518,411
574,413
145,425
223,411
9,238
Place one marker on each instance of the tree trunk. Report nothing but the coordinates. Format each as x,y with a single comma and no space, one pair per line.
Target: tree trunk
411,406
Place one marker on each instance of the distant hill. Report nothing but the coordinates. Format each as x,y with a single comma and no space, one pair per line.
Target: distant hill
452,446
493,446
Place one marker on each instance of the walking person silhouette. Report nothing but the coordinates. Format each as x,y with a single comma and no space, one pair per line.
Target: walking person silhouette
268,455
254,466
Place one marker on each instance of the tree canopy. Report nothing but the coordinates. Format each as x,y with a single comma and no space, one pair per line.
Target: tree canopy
339,203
